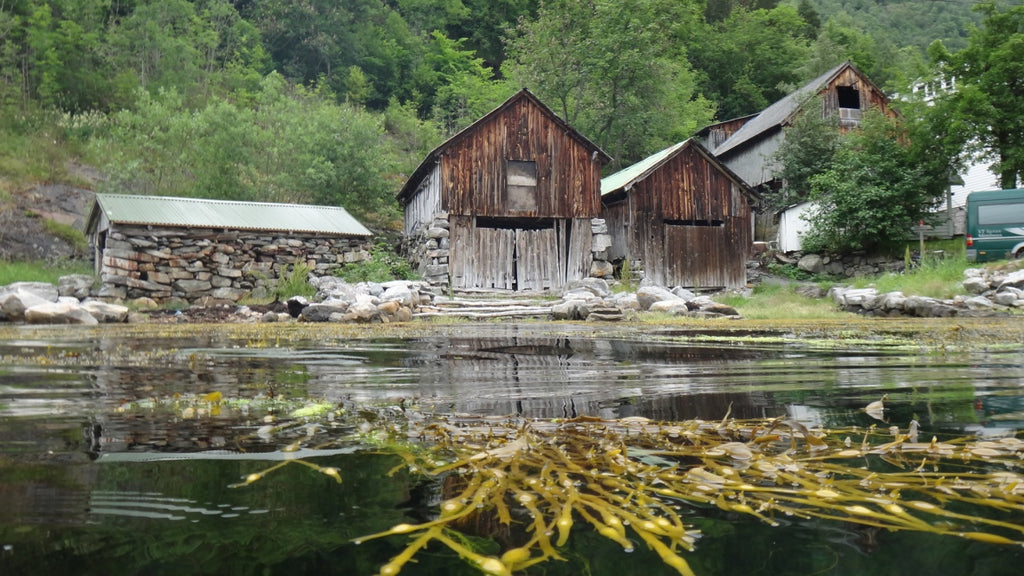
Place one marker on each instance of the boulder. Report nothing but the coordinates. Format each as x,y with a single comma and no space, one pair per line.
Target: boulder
927,307
106,313
601,269
674,307
721,309
855,297
810,291
362,310
976,285
59,313
811,263
1012,280
684,293
322,311
14,304
605,314
568,310
42,290
399,293
597,286
891,301
75,285
979,303
646,296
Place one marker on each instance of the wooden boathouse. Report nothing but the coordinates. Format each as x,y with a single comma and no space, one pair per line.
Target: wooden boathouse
681,216
506,203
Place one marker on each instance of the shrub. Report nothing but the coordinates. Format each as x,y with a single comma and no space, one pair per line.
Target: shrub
294,282
383,265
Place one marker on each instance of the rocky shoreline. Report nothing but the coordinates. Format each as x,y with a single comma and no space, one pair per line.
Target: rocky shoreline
76,299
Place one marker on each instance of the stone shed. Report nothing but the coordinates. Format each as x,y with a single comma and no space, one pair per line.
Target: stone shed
201,250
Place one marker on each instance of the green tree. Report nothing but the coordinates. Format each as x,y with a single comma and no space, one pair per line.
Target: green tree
614,70
198,49
457,85
294,144
842,39
319,41
750,58
807,151
872,193
989,95
59,55
487,25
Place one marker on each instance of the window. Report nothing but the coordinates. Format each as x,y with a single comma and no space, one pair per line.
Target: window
849,104
849,97
1000,214
521,185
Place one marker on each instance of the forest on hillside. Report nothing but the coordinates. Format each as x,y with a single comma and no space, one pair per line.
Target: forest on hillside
333,102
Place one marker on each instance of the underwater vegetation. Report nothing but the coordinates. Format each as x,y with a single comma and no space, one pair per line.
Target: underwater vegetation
632,480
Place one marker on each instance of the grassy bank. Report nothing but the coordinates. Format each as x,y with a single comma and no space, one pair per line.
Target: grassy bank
38,271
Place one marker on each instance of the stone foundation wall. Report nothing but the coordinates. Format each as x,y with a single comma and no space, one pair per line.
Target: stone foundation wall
202,264
427,250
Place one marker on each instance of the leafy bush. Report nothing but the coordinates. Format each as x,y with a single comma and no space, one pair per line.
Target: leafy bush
295,282
383,265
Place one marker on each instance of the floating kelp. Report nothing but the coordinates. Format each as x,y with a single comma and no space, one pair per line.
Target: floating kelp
628,479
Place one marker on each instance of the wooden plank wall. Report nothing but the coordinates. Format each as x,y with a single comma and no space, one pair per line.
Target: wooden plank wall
686,188
473,168
870,97
516,258
425,203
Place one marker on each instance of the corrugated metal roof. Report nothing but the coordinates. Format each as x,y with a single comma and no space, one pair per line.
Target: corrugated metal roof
229,214
623,178
779,112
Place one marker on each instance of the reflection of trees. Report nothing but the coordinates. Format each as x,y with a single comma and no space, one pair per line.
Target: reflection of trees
284,522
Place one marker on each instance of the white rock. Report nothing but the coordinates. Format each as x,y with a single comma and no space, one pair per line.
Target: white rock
59,313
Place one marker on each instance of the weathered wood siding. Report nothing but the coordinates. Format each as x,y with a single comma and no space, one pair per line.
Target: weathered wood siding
870,96
721,132
688,222
517,258
474,167
425,203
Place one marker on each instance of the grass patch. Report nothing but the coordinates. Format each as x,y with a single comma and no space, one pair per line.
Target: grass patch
780,301
73,236
939,274
41,271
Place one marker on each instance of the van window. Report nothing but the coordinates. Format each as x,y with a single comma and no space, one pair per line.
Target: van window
999,214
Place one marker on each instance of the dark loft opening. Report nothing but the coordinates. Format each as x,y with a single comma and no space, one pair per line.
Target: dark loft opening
849,97
705,223
515,223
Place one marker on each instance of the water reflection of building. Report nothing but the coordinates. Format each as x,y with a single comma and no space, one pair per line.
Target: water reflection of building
567,377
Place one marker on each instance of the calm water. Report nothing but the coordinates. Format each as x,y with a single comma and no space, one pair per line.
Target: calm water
101,473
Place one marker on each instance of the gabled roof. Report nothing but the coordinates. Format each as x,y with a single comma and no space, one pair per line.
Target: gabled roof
228,214
782,112
411,184
624,179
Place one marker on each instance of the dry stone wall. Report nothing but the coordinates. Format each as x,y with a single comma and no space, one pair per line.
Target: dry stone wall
197,265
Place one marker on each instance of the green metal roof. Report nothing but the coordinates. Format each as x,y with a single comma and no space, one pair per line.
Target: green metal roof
623,178
228,214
